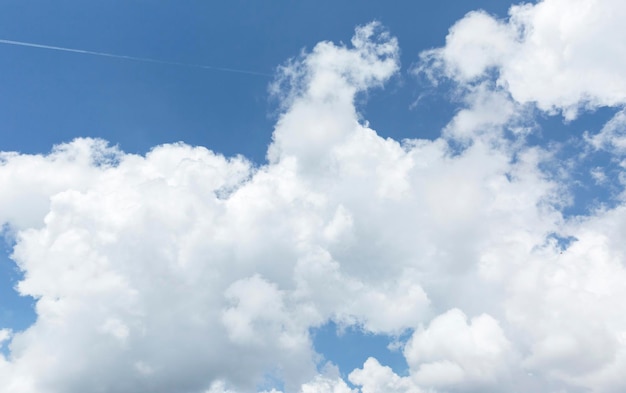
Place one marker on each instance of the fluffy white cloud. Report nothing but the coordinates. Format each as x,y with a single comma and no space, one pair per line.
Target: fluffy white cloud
183,270
452,352
567,304
33,179
374,377
173,270
326,385
562,55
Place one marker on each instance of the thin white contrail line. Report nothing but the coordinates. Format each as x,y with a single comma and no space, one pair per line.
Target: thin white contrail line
133,58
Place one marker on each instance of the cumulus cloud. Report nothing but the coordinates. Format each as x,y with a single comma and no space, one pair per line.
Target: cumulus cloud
560,55
184,270
374,377
453,352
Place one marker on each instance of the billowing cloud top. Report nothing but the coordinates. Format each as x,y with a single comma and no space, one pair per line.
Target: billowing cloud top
186,271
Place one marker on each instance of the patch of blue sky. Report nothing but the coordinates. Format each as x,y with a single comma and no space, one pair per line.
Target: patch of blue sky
349,347
591,176
271,380
562,242
139,105
409,108
136,106
16,312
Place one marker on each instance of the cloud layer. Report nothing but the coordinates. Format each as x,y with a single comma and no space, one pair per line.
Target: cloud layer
183,270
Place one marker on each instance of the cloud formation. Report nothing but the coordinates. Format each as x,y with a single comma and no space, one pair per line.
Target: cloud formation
557,54
183,270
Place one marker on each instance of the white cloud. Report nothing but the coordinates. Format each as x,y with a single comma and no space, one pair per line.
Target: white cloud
183,270
33,179
373,378
319,90
568,304
488,110
452,352
562,55
5,334
326,385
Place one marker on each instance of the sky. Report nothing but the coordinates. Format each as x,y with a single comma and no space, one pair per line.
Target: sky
312,197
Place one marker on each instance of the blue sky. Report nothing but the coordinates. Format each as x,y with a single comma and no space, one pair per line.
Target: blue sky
139,105
397,198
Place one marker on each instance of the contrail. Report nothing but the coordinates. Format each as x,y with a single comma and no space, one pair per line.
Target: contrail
133,58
